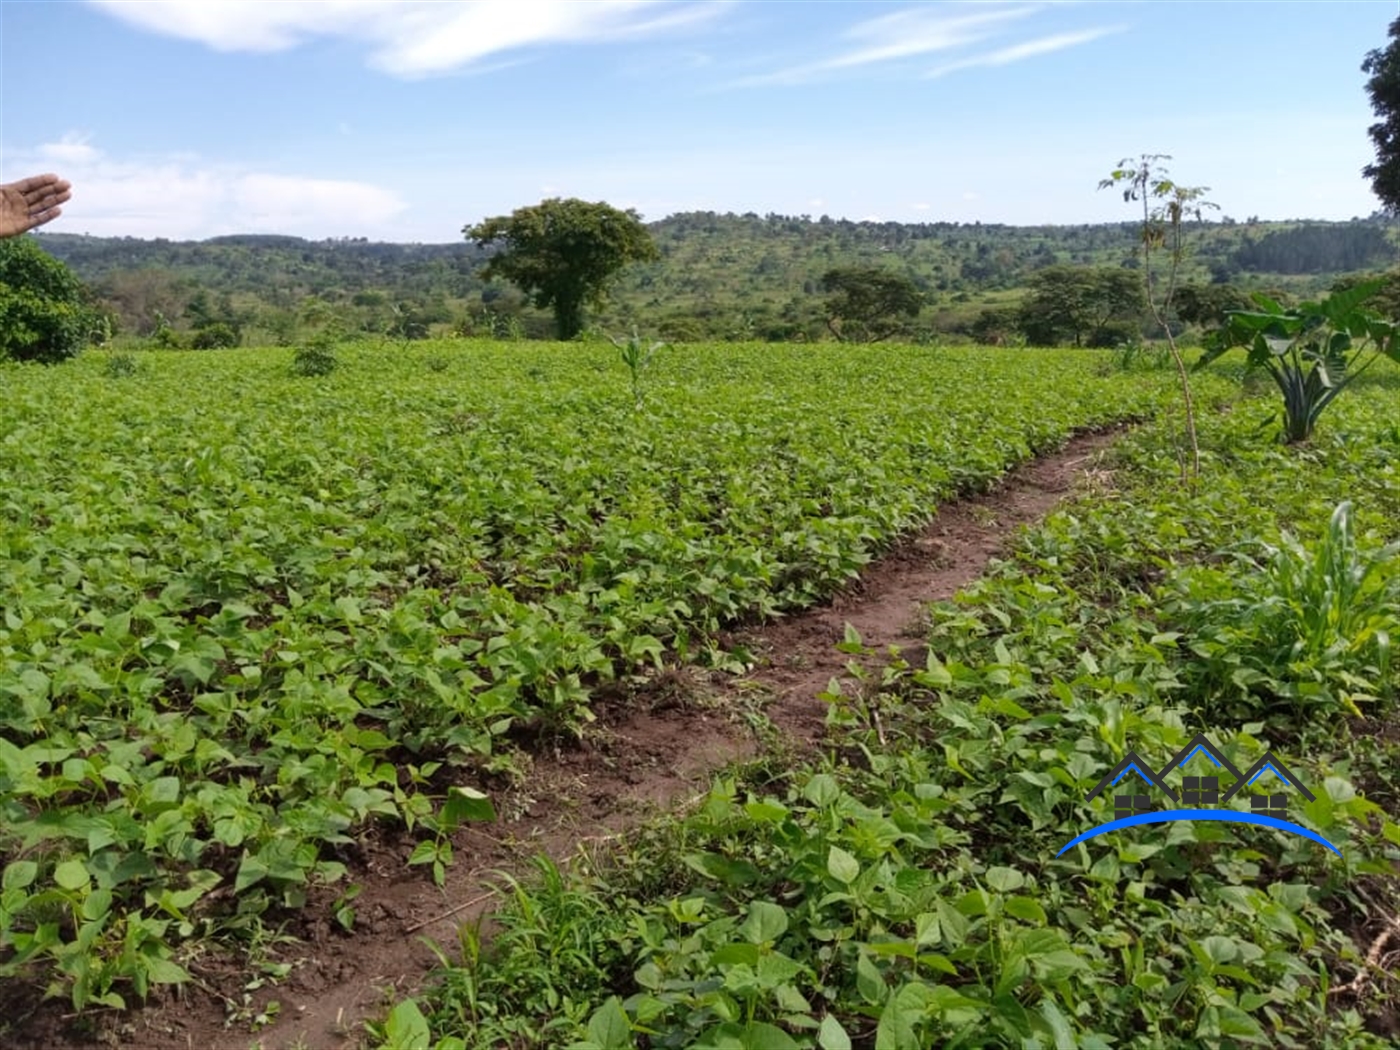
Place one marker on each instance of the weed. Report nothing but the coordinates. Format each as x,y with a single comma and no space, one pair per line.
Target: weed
316,358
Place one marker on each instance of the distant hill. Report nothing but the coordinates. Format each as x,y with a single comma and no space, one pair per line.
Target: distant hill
719,275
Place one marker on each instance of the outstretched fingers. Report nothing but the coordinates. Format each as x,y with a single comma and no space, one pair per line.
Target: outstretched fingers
43,194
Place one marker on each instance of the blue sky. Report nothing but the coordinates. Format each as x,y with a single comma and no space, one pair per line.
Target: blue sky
405,121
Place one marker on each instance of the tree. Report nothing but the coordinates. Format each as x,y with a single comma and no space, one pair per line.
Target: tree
44,314
564,253
866,303
1207,304
1079,304
1384,89
1144,180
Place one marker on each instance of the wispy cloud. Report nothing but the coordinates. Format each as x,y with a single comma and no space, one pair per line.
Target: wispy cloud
1017,52
413,38
900,35
179,196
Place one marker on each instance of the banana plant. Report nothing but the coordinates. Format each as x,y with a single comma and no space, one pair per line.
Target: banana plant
1312,351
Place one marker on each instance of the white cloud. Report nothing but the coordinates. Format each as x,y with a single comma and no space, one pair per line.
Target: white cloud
921,206
816,202
902,34
412,38
184,197
1031,48
969,195
72,148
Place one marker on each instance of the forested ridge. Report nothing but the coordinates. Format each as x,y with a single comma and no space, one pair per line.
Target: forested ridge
718,275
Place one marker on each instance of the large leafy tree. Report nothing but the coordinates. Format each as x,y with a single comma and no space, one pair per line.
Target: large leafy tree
868,303
44,315
1383,65
1080,305
564,253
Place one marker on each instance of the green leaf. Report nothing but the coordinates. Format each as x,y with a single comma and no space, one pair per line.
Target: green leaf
609,1027
164,971
251,871
19,874
1004,880
842,866
1060,1029
822,790
1027,909
869,982
897,1029
467,803
754,1036
71,875
406,1028
766,922
831,1036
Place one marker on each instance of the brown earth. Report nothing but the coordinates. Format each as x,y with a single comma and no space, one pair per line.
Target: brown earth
647,753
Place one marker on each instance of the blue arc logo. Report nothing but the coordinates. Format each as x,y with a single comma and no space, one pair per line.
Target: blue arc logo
1164,815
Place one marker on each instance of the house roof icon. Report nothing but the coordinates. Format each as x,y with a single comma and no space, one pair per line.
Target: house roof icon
1266,764
1200,743
1131,761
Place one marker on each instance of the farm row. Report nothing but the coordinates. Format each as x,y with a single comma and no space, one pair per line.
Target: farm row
245,615
911,887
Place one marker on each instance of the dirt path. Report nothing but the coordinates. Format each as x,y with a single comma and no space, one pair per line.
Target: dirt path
636,761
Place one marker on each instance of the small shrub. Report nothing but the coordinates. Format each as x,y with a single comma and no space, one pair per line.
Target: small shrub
216,336
316,358
436,364
119,366
165,337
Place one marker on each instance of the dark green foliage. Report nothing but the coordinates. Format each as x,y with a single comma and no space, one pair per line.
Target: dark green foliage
1385,302
1312,351
1317,248
316,358
1383,65
43,313
867,303
215,336
1207,304
996,326
564,253
713,270
1075,304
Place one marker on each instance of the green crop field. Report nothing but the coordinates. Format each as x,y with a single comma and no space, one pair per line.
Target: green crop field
915,885
246,613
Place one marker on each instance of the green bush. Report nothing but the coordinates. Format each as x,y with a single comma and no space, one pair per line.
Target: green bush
215,336
316,358
43,315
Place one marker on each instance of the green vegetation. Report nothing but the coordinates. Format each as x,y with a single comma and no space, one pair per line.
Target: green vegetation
1167,205
245,616
718,277
44,316
868,304
1383,65
1082,306
1312,352
563,254
906,888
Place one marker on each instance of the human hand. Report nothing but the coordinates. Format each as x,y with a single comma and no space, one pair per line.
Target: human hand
31,202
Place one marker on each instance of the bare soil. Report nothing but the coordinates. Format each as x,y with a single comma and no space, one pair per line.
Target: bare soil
650,752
